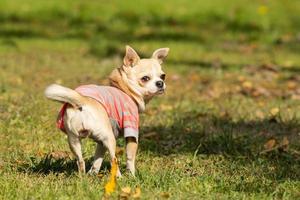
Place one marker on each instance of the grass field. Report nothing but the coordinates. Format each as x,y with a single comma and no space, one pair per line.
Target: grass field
228,126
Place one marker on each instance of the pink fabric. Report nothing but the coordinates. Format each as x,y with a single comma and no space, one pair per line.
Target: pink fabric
118,105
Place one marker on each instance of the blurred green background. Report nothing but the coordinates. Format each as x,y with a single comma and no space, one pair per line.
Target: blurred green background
108,26
227,127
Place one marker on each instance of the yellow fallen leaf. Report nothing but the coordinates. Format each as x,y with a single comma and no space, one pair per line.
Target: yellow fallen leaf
111,184
126,190
274,111
125,193
137,193
291,85
247,85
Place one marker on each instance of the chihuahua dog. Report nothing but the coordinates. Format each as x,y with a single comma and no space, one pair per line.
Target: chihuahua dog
103,113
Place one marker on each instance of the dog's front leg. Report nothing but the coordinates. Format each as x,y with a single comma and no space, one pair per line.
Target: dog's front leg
75,146
131,149
98,158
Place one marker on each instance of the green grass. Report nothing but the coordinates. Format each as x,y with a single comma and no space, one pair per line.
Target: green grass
230,65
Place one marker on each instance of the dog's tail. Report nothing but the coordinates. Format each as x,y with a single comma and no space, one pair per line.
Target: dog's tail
64,95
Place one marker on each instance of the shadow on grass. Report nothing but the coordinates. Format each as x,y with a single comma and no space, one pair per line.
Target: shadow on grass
49,165
241,141
203,134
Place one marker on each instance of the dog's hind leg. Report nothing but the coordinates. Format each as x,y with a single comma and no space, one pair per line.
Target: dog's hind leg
75,146
98,158
110,144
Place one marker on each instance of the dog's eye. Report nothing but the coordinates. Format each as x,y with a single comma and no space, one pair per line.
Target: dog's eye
163,77
145,78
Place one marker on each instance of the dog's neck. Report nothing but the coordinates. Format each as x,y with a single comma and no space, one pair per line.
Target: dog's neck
119,80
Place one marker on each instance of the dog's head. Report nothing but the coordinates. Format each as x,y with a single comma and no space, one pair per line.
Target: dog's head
141,78
145,75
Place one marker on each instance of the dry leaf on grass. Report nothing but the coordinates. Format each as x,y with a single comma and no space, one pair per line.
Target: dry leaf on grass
285,141
260,91
40,153
274,111
137,193
194,77
126,190
165,195
270,67
270,144
247,85
284,144
60,155
125,193
291,85
151,135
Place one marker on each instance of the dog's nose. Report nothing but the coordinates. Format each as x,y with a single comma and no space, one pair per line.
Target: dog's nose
159,84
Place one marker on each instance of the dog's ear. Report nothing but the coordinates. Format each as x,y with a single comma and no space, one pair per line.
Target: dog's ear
160,54
131,58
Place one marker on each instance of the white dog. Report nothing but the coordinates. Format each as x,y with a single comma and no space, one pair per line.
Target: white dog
105,112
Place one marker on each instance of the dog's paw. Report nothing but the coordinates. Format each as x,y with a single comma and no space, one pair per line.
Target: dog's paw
131,173
93,171
130,169
119,175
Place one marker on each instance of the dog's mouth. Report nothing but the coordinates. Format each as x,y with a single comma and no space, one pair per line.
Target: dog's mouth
160,91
